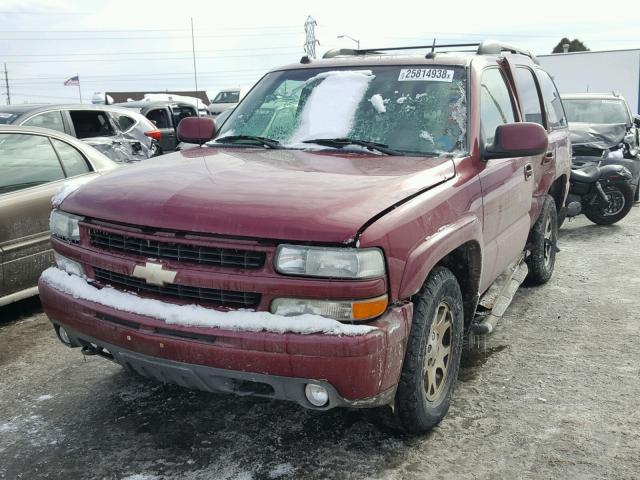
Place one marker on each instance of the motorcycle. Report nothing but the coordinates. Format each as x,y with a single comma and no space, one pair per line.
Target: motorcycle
604,193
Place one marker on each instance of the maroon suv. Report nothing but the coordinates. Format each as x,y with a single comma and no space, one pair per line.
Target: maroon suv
331,245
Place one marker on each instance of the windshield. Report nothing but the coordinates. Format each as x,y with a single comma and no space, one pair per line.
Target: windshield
6,118
227,97
596,110
414,110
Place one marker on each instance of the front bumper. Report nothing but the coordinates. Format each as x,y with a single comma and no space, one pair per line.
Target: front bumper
357,371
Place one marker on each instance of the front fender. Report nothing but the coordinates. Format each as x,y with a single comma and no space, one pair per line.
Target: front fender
426,254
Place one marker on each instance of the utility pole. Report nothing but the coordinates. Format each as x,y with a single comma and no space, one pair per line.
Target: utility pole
311,42
6,82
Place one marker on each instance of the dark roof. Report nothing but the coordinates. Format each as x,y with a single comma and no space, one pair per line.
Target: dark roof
121,97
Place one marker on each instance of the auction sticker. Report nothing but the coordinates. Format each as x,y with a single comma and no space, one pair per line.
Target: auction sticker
425,75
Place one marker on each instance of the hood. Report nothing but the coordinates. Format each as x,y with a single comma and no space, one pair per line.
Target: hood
597,135
271,194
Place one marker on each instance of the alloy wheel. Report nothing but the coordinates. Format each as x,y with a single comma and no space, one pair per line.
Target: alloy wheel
438,352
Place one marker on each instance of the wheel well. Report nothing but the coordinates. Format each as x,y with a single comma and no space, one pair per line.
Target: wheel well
465,264
558,191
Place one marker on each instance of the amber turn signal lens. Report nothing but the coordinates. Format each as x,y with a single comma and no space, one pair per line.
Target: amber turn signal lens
367,309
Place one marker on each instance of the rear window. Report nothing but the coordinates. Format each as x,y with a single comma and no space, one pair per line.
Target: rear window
125,122
596,110
227,97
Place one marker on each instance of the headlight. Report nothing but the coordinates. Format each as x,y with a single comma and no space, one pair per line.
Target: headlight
343,310
64,225
330,262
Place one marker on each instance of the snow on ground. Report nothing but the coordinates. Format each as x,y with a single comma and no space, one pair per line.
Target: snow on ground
42,398
282,470
141,476
330,109
197,316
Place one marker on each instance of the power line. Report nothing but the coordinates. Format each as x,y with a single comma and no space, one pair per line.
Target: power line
145,74
155,59
151,52
162,37
265,27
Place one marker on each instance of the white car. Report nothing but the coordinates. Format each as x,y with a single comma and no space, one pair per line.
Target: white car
226,99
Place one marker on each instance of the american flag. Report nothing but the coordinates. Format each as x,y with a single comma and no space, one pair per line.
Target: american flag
73,81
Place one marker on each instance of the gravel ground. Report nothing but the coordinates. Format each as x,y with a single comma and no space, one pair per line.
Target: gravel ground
553,393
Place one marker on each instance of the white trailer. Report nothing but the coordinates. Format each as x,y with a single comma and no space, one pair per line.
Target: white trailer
597,72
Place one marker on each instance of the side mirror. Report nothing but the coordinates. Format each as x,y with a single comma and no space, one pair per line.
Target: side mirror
196,130
636,121
522,139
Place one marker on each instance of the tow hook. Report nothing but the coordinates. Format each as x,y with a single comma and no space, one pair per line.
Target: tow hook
90,350
604,196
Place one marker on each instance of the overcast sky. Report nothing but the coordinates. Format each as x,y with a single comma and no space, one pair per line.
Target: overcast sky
146,45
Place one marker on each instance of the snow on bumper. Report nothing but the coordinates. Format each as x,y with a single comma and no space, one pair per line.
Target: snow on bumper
196,316
357,366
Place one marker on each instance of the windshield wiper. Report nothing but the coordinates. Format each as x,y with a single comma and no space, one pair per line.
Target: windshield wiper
267,142
344,142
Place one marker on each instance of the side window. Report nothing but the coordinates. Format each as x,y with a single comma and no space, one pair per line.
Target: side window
72,160
52,120
125,122
91,123
552,103
27,161
529,96
159,117
496,107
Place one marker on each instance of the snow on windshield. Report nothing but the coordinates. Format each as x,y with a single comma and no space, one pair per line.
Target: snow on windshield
330,108
411,115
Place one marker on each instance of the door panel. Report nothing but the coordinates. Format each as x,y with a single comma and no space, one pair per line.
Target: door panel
161,119
31,173
24,236
506,190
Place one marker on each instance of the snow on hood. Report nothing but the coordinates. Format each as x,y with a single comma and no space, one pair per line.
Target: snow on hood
195,315
331,107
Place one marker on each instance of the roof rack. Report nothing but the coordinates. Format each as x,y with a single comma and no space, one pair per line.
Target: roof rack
487,47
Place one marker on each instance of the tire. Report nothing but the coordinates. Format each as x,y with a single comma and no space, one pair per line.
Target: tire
420,402
623,193
636,197
542,243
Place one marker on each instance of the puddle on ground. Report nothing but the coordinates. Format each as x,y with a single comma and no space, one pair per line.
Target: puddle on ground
474,358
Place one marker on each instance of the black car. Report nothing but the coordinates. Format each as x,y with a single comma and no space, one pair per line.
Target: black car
603,130
121,134
166,116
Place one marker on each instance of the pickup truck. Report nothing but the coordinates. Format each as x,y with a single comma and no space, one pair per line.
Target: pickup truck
331,243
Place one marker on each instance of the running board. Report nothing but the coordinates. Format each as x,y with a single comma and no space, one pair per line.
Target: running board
498,297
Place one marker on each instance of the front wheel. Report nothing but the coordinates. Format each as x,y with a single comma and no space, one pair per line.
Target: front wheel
618,206
432,358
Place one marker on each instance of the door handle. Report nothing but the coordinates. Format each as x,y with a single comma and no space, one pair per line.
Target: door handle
550,155
528,171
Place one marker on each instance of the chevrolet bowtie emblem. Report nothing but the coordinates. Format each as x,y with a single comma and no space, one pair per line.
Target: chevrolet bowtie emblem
153,274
